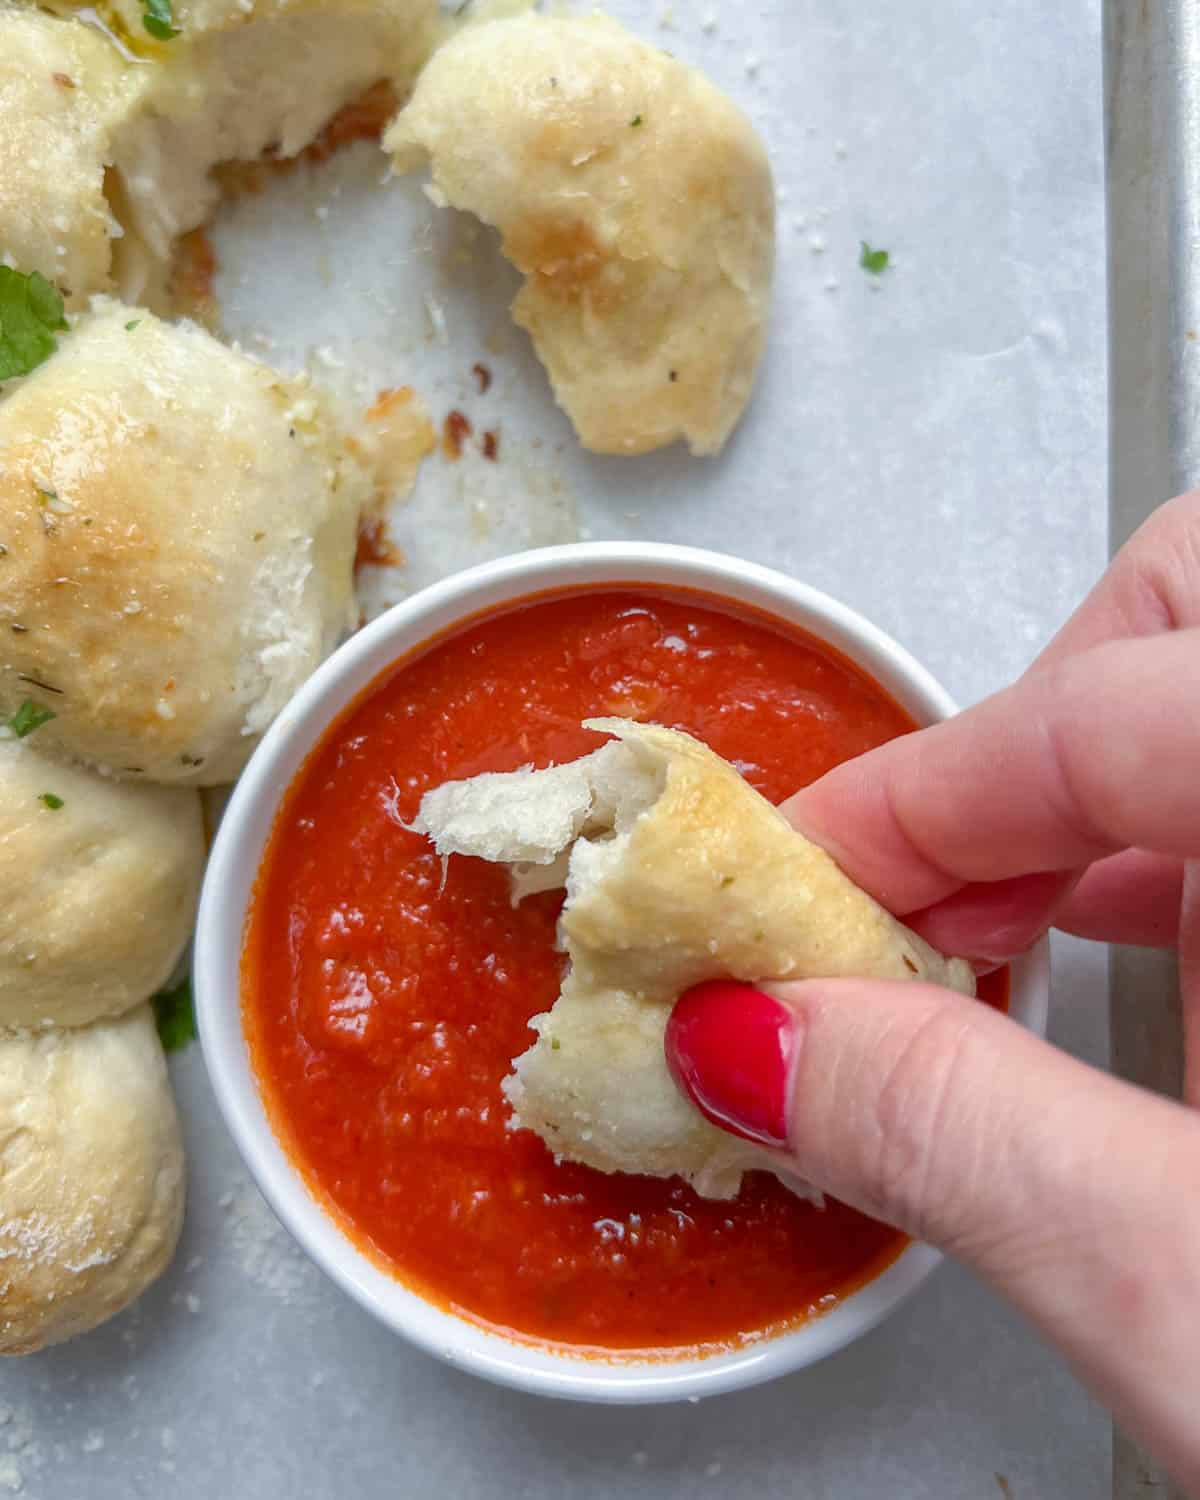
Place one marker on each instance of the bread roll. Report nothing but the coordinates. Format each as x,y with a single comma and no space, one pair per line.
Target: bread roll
92,1188
61,88
636,199
236,82
677,871
179,530
98,887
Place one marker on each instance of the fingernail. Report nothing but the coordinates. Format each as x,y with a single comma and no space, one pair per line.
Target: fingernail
730,1049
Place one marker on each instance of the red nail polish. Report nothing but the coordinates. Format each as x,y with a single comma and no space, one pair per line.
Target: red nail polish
730,1049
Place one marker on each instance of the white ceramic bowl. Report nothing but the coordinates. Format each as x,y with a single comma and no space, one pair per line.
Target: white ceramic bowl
227,888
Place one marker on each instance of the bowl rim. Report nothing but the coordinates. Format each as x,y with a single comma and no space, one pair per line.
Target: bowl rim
229,879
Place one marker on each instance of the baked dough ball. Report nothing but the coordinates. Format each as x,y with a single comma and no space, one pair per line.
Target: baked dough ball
98,887
636,199
237,81
62,86
677,871
179,528
91,1177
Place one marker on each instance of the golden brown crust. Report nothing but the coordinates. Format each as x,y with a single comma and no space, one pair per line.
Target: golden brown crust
636,199
178,525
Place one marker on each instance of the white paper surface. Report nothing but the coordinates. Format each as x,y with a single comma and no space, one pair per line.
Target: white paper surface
929,449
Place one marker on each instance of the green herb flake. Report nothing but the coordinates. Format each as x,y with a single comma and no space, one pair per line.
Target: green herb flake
129,327
873,262
31,312
159,21
48,799
635,122
28,717
175,1015
555,1044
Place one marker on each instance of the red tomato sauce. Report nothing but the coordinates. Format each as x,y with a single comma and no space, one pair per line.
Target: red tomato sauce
383,1008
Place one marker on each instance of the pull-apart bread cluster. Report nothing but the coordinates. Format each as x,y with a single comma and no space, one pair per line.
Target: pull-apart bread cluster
676,871
177,525
177,528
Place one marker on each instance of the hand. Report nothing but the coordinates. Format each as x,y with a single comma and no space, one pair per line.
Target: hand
1072,797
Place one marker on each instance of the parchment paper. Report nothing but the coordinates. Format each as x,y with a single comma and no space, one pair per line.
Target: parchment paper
931,450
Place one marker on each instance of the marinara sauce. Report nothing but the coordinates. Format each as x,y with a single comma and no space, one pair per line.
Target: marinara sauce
383,1007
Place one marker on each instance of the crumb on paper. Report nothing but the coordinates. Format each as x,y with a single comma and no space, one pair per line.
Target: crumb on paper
437,318
816,243
490,445
263,1250
192,278
456,428
391,443
375,547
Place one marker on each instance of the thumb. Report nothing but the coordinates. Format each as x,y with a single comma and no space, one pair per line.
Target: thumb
912,1103
1075,1194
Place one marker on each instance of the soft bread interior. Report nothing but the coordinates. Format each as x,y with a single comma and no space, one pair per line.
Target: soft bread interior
676,871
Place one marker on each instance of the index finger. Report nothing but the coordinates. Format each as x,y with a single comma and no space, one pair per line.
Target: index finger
1087,756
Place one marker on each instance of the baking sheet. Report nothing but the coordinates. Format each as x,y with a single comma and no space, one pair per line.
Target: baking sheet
931,450
1152,114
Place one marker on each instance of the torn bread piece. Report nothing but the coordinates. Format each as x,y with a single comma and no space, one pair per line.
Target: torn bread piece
676,871
636,199
236,82
111,133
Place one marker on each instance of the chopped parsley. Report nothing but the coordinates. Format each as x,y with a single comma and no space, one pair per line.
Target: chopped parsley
31,312
48,799
129,327
28,717
635,122
159,21
175,1016
873,262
